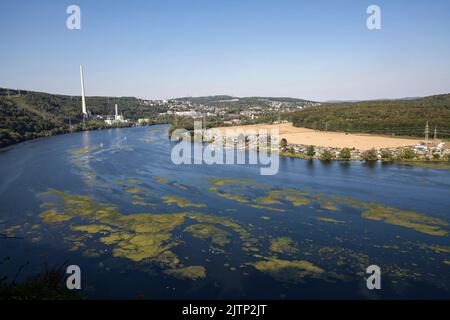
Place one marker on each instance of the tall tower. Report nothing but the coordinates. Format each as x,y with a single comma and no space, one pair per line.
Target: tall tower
117,112
83,98
427,131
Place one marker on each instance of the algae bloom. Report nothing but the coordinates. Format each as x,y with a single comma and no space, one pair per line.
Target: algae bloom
289,271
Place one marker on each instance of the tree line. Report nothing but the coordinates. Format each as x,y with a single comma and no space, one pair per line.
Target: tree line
388,117
26,115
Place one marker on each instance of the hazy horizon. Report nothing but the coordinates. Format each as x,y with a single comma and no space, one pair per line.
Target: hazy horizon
318,51
237,97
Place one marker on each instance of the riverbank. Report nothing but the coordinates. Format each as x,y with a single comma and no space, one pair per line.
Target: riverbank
304,136
426,164
312,144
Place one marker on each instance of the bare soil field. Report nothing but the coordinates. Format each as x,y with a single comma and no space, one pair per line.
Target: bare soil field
306,136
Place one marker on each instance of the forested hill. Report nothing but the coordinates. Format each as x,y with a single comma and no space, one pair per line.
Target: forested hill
26,115
62,106
387,117
243,103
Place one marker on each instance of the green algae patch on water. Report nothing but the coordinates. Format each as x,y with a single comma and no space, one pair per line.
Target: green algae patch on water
84,150
329,207
207,231
297,201
192,272
236,195
222,182
142,203
135,237
11,231
182,202
436,248
342,258
283,245
330,220
92,253
267,208
47,204
289,271
161,179
268,200
52,216
36,239
134,181
408,219
275,197
229,196
141,237
93,228
133,190
142,246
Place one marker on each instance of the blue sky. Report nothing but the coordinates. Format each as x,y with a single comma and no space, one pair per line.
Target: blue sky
318,50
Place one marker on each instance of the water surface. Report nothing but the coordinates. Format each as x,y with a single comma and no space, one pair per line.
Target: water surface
139,226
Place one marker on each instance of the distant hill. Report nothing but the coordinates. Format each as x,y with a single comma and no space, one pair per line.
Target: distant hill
406,117
231,99
238,104
27,115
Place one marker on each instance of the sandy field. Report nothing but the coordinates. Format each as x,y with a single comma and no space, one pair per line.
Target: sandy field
306,136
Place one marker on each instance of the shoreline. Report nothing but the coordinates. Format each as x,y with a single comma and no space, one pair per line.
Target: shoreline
4,148
425,163
433,164
308,144
327,139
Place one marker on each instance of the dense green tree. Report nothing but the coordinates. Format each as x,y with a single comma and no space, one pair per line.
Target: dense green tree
291,150
310,151
408,154
326,156
345,154
283,144
387,155
387,117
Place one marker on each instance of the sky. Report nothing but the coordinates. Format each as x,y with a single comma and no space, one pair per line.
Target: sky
160,49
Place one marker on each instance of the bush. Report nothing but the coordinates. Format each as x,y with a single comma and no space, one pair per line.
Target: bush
283,144
436,156
408,154
370,155
387,155
345,154
326,156
310,151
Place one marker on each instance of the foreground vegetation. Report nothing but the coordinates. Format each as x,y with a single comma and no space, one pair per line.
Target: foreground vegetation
47,285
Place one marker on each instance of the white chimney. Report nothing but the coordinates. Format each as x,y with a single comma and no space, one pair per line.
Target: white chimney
83,98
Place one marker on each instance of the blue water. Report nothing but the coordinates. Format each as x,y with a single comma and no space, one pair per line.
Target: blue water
409,270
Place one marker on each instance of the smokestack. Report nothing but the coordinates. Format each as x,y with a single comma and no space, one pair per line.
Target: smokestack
83,98
117,111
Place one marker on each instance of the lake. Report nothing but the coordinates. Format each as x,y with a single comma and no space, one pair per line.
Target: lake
139,226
